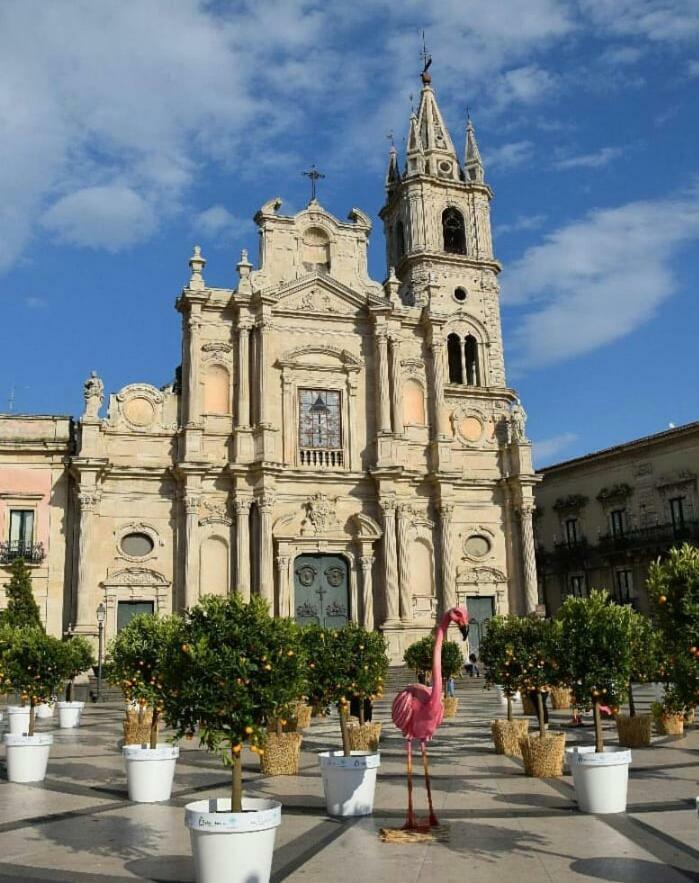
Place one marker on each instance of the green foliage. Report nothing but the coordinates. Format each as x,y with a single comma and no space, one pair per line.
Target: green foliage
32,664
22,610
78,656
540,648
502,653
418,656
596,639
645,649
234,668
673,588
140,661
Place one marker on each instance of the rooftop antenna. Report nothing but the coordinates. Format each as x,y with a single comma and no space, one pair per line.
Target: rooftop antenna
314,176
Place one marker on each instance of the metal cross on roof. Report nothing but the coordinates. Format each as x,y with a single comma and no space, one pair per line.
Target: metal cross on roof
315,176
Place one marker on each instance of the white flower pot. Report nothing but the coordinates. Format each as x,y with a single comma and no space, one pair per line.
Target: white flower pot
69,714
18,716
150,771
44,711
349,782
27,756
233,847
601,780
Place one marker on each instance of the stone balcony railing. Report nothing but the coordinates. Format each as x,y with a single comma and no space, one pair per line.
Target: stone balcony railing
33,553
321,458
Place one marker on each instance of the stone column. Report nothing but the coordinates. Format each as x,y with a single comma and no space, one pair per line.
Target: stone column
446,511
86,603
243,373
384,403
288,426
265,504
366,563
282,562
191,549
262,341
396,398
405,514
531,591
438,380
242,540
391,591
194,328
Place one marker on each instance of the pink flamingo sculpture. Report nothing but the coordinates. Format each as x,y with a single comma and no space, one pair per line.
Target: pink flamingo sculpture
418,710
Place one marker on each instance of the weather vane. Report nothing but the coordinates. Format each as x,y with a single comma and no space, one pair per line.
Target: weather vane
426,59
390,137
314,176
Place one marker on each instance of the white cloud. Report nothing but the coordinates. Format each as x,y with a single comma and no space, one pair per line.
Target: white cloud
36,303
110,217
520,224
594,160
523,85
548,448
656,20
509,156
597,279
615,55
693,68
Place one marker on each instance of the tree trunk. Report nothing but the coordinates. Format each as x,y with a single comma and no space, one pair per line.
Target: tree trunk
69,691
32,716
237,783
346,750
509,707
278,726
632,704
361,712
599,740
154,729
540,714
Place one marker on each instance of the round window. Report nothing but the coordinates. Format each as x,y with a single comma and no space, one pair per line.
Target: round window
477,546
137,545
445,166
460,294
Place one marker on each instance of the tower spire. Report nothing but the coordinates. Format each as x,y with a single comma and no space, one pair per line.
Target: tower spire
430,148
473,162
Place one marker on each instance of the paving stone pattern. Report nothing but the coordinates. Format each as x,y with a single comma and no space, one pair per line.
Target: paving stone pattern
79,827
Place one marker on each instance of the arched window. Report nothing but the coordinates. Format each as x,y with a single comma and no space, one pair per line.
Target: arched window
454,231
473,376
400,241
456,373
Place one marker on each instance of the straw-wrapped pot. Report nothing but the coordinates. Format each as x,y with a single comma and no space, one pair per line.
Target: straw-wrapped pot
670,724
690,715
543,757
634,732
560,698
528,706
364,737
506,735
137,724
451,706
302,715
281,754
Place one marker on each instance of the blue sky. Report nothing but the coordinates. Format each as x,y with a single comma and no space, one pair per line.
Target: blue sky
131,130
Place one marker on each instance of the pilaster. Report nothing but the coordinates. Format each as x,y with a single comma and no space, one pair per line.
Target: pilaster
242,506
391,589
405,514
446,512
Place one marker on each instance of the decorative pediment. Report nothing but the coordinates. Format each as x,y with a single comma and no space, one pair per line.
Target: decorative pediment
136,576
319,355
479,575
319,294
366,527
137,407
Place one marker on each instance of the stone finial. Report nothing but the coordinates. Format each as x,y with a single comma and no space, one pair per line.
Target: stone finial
93,393
197,263
391,285
244,268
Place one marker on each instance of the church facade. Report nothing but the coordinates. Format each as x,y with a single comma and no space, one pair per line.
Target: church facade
345,448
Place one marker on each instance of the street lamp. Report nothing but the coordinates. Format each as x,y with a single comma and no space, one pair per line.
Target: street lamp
101,615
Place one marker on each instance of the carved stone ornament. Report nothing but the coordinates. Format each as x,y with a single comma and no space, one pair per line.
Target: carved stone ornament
616,493
216,349
479,575
518,422
136,576
215,512
93,392
335,576
306,575
571,503
320,514
413,366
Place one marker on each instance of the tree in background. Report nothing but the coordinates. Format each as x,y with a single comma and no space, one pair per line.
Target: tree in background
504,656
418,656
78,657
32,665
22,610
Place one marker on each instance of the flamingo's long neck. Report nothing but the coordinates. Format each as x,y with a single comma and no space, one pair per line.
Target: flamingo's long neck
436,697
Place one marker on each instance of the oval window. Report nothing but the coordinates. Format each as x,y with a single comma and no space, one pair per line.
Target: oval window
477,546
137,545
460,294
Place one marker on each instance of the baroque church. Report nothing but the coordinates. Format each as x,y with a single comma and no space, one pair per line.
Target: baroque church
347,449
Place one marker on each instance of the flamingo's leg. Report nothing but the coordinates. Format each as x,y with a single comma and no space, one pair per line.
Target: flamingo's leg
433,818
410,824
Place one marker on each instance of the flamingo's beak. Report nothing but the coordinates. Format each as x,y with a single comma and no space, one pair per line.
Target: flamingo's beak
464,631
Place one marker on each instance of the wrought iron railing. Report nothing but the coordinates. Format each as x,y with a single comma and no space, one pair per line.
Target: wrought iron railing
33,553
659,534
321,458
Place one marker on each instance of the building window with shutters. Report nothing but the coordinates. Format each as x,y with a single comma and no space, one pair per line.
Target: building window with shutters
576,585
623,585
677,513
572,532
617,518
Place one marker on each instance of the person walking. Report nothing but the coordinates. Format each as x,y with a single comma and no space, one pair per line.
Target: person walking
474,669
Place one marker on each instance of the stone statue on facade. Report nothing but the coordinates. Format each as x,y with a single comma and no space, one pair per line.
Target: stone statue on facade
518,422
93,393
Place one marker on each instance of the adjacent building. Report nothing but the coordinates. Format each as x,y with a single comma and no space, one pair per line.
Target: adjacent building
343,447
603,518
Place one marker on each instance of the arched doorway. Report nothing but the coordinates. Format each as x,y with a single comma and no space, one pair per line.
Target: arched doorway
321,590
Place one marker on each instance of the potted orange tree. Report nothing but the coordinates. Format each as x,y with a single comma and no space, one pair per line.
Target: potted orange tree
234,667
596,637
139,661
503,658
342,664
635,729
32,664
418,656
78,657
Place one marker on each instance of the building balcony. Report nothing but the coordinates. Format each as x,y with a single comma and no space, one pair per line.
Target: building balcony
33,553
321,458
662,536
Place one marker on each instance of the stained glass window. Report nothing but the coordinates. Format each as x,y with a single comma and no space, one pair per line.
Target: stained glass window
319,419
